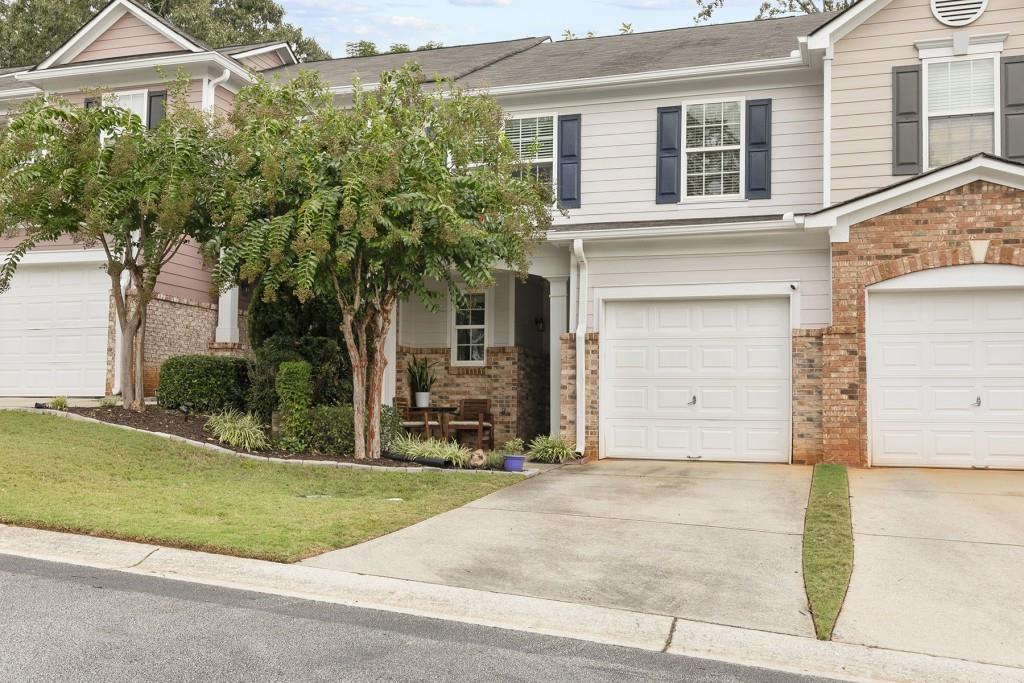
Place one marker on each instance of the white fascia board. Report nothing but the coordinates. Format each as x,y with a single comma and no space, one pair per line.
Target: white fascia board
104,20
739,227
687,73
839,219
108,69
833,31
283,49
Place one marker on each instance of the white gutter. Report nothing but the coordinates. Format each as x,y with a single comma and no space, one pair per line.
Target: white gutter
209,102
581,347
90,68
786,224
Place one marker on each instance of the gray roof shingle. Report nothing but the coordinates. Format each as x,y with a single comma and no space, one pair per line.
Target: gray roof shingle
652,51
454,62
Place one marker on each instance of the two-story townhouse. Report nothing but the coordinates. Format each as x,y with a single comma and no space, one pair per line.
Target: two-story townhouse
783,241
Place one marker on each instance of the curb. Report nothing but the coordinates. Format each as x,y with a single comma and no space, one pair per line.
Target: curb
526,474
536,615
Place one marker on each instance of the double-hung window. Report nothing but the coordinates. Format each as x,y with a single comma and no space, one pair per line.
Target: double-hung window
713,149
960,104
470,322
533,138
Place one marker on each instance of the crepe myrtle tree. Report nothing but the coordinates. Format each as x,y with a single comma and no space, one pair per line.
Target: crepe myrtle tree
364,205
98,176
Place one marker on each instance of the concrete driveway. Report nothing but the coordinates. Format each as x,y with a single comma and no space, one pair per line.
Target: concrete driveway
938,563
713,542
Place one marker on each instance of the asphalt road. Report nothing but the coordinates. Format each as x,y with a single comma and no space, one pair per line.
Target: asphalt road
62,622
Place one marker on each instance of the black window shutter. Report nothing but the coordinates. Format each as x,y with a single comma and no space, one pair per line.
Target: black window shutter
759,149
91,102
906,120
1013,108
569,161
157,109
669,169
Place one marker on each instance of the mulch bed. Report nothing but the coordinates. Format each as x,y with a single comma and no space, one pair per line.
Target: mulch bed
157,419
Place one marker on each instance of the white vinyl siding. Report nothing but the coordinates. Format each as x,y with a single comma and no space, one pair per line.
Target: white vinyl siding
960,108
469,330
713,149
619,148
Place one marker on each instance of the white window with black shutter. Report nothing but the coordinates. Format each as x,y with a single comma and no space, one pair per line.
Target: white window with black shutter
961,104
713,158
533,139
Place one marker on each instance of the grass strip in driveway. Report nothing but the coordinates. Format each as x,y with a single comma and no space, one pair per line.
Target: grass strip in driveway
828,546
75,476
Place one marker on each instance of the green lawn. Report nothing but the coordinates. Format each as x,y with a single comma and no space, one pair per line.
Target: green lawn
67,475
828,546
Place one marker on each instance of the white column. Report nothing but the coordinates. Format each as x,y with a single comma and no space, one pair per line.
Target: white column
557,324
391,353
227,317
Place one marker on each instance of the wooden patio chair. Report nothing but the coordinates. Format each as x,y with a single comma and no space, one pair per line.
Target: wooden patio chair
421,422
475,416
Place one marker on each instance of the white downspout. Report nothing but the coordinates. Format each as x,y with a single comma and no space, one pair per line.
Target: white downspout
211,99
581,346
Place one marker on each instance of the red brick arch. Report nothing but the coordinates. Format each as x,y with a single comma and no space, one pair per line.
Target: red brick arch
941,258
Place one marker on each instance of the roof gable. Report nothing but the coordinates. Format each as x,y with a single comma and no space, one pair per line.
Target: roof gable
826,35
121,29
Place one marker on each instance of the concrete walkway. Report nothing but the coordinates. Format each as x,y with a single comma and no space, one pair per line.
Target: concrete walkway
711,542
938,563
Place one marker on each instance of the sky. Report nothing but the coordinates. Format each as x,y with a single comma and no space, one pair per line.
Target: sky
455,22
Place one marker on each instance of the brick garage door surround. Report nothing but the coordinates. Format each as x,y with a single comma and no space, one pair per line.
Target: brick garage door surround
932,233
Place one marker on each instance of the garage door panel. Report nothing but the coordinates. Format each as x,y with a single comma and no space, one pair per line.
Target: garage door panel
946,378
704,379
53,331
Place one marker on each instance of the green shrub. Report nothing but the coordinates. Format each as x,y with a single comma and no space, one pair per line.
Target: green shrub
390,427
331,378
203,383
551,449
110,402
495,460
454,454
332,430
238,429
59,403
294,385
514,446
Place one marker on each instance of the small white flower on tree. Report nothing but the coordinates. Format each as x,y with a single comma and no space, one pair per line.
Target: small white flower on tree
363,205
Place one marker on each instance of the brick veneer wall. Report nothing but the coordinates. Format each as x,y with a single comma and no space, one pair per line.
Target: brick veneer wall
515,379
174,327
568,391
932,233
807,405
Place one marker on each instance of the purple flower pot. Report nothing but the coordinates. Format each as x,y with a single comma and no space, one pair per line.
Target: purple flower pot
514,463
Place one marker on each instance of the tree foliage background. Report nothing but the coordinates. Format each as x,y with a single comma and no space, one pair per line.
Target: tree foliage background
32,29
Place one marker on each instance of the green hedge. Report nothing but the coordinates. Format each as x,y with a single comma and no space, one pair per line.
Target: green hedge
294,384
333,429
203,383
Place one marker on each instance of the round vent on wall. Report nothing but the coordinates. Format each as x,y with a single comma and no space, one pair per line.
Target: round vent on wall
958,12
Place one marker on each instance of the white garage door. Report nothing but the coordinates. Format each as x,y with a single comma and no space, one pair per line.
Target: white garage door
53,331
946,378
696,379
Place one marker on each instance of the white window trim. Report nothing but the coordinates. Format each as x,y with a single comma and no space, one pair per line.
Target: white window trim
684,198
554,139
996,97
453,337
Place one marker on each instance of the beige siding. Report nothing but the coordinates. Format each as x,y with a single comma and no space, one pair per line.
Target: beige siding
127,37
63,244
428,329
737,259
262,62
186,277
223,101
618,148
195,92
862,84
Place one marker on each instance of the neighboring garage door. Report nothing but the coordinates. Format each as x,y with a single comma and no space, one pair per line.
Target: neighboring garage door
696,379
53,331
946,378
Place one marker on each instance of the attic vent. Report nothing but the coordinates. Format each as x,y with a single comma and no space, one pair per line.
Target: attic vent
958,12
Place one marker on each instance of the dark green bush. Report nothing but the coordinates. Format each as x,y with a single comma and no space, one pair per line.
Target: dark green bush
333,431
288,317
295,398
330,375
204,383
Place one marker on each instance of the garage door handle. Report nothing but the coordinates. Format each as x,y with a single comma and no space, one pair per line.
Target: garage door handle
977,402
693,401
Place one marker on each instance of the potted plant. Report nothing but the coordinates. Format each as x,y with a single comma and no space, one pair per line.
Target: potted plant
514,455
421,380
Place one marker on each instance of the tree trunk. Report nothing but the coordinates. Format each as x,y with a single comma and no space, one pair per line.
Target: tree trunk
132,337
357,354
380,325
